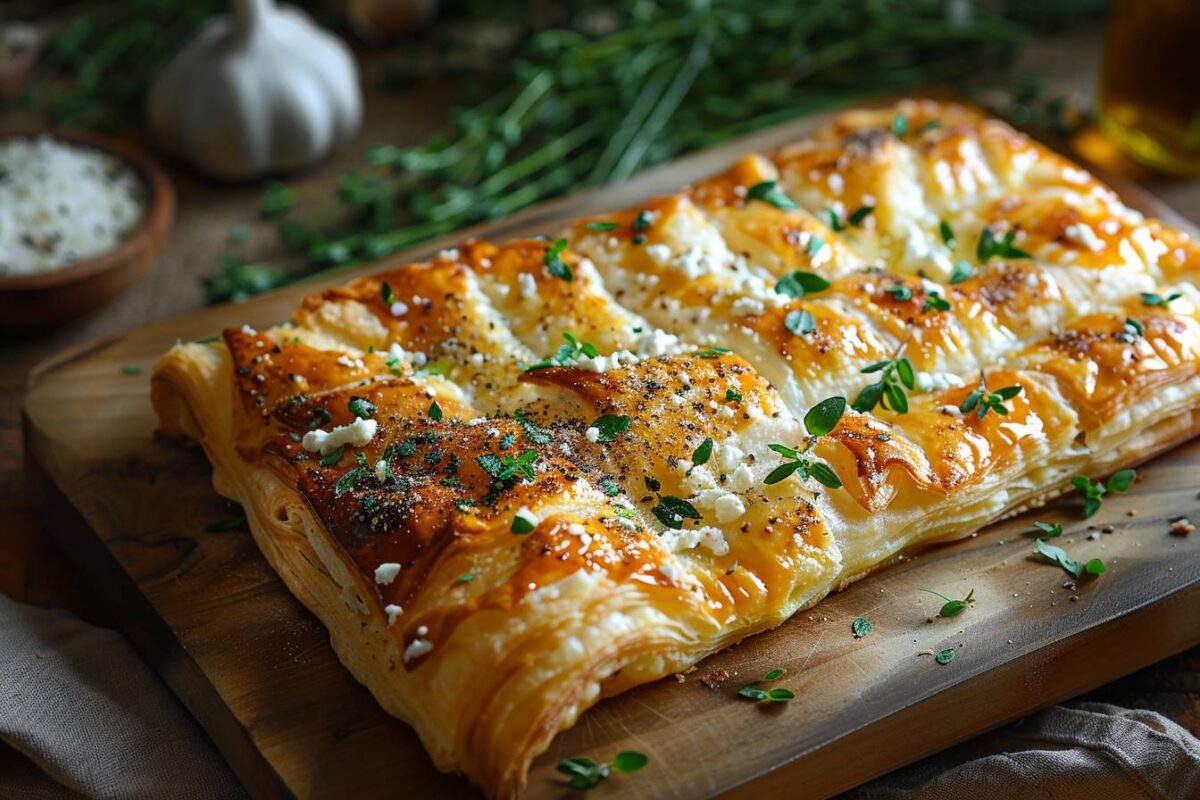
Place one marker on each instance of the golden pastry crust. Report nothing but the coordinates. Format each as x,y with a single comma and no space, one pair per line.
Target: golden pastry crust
522,477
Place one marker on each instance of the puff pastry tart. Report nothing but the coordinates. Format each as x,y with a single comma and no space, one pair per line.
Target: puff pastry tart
521,477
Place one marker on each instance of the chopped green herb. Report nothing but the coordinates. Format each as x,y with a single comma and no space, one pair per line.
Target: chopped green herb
671,511
822,418
362,407
523,524
768,192
962,271
508,440
533,432
953,608
835,225
856,219
584,773
733,396
435,411
990,245
934,301
815,245
799,321
385,294
944,657
277,200
352,476
929,125
712,352
333,456
861,627
609,486
1093,492
566,354
131,369
319,417
467,578
799,284
602,226
1133,327
702,453
1076,569
1151,299
642,221
987,401
463,503
554,263
947,233
610,427
899,125
1048,530
755,691
807,469
899,292
506,467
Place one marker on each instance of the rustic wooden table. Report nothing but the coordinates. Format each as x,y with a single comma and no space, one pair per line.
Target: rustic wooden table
33,570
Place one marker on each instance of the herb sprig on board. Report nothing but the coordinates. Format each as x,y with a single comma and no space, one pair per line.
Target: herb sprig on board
594,92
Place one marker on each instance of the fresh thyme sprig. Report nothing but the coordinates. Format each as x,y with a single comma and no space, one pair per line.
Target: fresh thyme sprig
594,92
585,773
895,374
986,400
820,420
1094,491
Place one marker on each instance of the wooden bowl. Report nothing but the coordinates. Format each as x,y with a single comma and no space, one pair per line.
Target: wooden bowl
48,298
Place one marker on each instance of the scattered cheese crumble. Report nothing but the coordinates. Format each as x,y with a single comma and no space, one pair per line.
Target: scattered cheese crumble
386,573
357,433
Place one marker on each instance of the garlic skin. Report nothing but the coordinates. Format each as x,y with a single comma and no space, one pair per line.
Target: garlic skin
259,92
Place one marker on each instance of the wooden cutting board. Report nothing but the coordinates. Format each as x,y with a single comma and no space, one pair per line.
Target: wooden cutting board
257,671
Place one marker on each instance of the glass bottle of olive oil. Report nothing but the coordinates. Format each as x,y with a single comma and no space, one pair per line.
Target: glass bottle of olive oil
1150,82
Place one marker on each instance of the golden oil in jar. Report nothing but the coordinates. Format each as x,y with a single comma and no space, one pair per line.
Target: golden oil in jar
1150,82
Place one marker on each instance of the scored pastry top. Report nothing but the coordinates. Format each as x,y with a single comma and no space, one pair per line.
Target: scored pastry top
645,410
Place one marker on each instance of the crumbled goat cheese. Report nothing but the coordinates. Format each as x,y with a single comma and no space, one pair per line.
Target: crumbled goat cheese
386,573
592,434
933,381
672,571
659,252
729,507
416,649
393,612
357,433
528,285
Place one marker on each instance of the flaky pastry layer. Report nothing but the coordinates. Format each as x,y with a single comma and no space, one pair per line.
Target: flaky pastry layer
522,477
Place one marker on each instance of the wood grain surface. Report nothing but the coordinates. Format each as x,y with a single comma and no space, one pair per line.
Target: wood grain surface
256,669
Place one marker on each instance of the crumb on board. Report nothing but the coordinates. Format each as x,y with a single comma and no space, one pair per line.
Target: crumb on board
682,676
925,652
714,679
1181,526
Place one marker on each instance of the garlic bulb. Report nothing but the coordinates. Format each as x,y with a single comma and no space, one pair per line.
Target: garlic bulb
262,91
